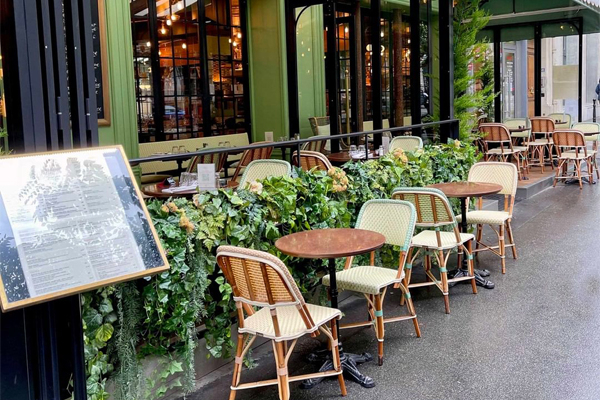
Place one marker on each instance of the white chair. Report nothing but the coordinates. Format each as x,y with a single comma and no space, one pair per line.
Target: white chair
406,143
519,137
566,120
262,169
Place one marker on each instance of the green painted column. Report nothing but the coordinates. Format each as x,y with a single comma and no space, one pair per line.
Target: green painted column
268,70
123,124
311,67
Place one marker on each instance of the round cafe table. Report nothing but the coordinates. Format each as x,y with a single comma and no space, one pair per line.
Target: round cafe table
343,157
156,190
331,244
463,191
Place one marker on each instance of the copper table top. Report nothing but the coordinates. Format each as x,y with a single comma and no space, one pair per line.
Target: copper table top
467,189
330,243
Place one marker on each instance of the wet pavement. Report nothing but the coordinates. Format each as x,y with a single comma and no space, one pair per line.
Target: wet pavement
535,336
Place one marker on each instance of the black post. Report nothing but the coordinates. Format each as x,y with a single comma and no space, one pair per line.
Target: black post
376,66
497,77
415,63
446,70
580,74
537,67
292,67
594,110
333,68
158,106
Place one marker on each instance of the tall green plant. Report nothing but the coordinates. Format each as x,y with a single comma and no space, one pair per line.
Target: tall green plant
3,140
469,20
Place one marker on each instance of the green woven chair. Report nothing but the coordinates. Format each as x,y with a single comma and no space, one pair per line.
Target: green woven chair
434,211
406,143
396,221
261,169
589,127
519,137
565,118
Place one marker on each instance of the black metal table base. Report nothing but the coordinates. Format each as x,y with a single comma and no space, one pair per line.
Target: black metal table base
349,366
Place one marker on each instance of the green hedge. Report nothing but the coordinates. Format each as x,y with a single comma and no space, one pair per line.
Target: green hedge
159,315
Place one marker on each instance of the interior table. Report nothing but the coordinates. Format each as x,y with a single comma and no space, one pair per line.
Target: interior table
157,191
343,157
331,244
463,191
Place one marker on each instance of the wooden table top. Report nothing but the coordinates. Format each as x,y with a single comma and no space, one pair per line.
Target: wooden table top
467,189
344,157
156,191
330,243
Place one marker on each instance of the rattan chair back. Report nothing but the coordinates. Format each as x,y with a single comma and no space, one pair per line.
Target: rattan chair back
252,155
566,120
501,173
587,127
394,219
262,169
432,206
217,159
569,139
310,160
406,143
496,135
542,125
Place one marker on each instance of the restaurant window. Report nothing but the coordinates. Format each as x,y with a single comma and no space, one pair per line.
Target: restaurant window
197,49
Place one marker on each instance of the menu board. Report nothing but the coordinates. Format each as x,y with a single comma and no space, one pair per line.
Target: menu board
100,62
71,221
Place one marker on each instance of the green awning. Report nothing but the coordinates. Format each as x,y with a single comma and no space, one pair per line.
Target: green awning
520,15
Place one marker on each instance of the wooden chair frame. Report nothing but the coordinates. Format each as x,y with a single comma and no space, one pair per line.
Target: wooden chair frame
499,134
278,289
574,141
251,155
310,160
217,159
441,256
537,151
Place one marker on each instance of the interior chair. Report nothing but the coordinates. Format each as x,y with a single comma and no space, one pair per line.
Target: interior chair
540,146
434,211
310,160
519,138
572,149
505,175
247,157
261,281
406,143
321,126
217,159
591,131
566,120
395,220
262,169
498,146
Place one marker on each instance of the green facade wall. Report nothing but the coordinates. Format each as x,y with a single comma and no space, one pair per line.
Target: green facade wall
268,71
123,124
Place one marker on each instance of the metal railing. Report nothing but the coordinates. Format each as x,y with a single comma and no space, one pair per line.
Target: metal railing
450,125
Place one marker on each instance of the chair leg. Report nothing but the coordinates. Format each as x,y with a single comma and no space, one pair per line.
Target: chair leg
427,266
337,364
237,367
478,238
282,372
511,238
578,168
558,173
444,276
501,244
471,265
379,326
541,150
407,272
411,308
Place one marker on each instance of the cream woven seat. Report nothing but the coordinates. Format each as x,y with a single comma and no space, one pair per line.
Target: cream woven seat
572,149
513,123
447,240
261,169
485,217
498,134
589,127
406,143
434,211
259,279
396,221
505,175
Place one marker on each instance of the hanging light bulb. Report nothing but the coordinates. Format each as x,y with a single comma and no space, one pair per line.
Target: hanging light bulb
229,40
163,30
239,35
346,30
184,46
148,44
169,23
174,17
180,5
235,44
382,34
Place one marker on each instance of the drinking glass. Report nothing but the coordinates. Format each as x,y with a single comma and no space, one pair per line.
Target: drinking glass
361,149
221,144
352,149
182,149
174,150
228,144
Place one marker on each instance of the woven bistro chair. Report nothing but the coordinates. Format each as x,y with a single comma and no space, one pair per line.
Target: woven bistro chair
317,146
505,175
217,159
406,143
498,135
434,211
519,138
321,126
310,160
261,280
396,221
566,120
539,147
572,149
251,155
262,169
